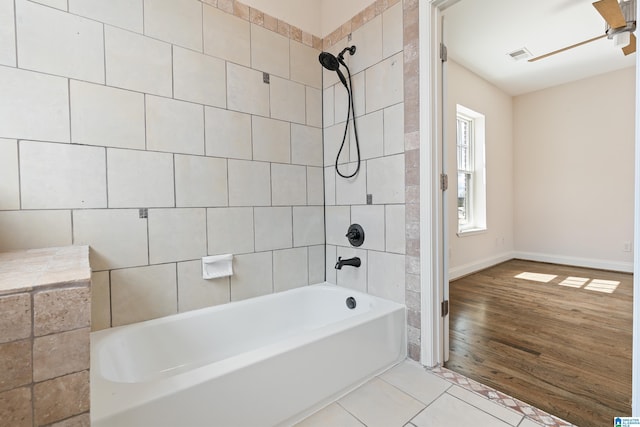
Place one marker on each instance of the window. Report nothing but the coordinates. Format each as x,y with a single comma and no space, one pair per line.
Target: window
471,200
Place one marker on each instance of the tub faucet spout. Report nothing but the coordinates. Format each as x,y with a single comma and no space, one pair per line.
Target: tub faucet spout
354,262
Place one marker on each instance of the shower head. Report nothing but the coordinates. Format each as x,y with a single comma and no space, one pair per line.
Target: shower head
329,61
332,63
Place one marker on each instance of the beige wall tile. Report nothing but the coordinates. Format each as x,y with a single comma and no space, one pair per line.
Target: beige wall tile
34,229
246,90
269,52
226,36
179,23
227,133
7,34
314,107
137,63
386,179
249,183
368,40
61,398
230,230
384,83
34,106
118,237
253,276
60,354
15,322
100,301
106,116
306,145
59,43
143,293
45,187
315,186
308,225
174,126
200,181
271,140
59,310
120,13
386,275
177,234
195,292
304,65
287,100
290,269
9,181
15,364
316,264
15,407
140,179
288,185
274,228
392,31
199,78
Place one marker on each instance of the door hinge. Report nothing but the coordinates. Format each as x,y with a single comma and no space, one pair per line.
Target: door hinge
443,52
444,181
444,308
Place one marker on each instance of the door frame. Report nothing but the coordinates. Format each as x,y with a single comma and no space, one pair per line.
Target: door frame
432,256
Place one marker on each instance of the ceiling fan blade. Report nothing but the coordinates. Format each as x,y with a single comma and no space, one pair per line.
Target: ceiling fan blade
631,47
611,12
546,55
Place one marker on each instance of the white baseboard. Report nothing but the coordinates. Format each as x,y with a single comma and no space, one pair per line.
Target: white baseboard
601,264
464,270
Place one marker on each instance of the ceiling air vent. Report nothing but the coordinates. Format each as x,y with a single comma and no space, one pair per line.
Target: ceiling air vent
520,54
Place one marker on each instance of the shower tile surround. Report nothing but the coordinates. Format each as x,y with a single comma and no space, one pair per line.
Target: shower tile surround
385,80
149,129
138,105
44,336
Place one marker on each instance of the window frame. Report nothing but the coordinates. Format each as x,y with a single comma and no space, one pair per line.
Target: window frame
475,173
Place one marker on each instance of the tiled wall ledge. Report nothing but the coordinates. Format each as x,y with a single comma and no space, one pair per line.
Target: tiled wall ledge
262,19
44,337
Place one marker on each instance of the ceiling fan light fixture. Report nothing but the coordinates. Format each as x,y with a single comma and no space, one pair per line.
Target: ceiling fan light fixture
628,9
621,40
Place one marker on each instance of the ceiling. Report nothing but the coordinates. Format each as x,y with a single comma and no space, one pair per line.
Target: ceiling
480,34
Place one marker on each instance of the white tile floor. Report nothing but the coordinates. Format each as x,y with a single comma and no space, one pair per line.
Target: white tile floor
409,395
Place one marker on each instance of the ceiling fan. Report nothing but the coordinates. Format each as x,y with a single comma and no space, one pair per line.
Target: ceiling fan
621,23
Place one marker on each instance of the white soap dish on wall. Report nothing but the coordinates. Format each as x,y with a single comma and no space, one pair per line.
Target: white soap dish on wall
217,266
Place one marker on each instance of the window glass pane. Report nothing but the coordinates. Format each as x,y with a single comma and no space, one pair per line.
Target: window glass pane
464,180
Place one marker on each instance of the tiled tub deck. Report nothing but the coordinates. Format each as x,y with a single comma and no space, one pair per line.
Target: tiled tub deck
45,319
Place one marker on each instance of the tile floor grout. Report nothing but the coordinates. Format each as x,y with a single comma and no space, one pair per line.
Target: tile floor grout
396,393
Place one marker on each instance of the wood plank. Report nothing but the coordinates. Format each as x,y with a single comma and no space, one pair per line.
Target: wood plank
563,349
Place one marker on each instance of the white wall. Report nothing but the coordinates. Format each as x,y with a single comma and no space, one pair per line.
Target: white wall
301,13
470,253
574,169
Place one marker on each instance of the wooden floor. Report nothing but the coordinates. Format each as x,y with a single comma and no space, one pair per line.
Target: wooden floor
552,338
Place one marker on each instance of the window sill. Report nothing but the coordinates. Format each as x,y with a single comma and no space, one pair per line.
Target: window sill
471,232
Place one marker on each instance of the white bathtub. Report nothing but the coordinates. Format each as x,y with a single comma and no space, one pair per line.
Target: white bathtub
266,361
